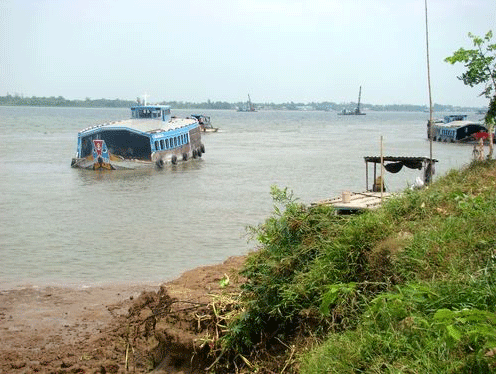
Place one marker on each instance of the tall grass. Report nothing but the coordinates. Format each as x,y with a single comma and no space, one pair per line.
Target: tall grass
407,288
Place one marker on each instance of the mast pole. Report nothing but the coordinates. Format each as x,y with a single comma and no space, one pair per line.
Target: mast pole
359,97
430,94
382,169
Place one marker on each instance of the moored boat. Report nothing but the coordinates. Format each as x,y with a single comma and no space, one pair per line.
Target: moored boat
455,128
151,137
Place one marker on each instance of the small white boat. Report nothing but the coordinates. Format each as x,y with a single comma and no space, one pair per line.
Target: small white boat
151,138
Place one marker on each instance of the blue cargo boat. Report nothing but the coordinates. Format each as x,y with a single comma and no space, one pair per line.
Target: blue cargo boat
455,128
151,137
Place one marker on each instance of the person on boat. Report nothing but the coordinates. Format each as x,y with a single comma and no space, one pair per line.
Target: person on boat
478,151
378,185
429,173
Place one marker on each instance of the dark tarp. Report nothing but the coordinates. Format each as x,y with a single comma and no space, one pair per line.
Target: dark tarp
395,167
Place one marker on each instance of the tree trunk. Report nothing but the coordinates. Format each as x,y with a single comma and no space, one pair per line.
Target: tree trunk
490,119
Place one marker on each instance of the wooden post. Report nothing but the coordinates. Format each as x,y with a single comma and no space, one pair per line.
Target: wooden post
366,176
375,175
382,172
431,121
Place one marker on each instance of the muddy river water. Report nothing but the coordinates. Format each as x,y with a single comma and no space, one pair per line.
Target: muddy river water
64,226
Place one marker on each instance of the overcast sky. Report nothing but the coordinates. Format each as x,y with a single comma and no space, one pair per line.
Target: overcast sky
222,50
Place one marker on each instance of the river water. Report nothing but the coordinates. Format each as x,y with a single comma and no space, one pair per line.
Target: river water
64,226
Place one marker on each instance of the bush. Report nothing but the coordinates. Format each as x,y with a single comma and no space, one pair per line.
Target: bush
408,287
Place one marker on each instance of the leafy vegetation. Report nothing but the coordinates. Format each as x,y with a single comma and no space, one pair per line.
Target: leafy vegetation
481,69
407,288
480,63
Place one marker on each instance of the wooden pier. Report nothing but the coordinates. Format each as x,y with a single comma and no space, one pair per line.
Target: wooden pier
354,202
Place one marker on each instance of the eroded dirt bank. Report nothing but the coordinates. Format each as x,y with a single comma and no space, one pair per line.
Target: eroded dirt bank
113,329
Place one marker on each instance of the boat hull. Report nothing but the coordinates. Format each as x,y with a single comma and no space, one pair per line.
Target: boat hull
119,163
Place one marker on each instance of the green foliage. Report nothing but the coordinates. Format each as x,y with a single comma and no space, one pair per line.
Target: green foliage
409,287
336,294
419,328
480,63
291,239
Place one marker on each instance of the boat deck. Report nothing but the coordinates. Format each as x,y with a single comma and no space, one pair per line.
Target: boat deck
355,201
144,125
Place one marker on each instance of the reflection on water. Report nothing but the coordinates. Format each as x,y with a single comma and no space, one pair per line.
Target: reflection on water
73,226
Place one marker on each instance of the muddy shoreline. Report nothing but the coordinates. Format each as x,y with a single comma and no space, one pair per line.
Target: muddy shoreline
56,329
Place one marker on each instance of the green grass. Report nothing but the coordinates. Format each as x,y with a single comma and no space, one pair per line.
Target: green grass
408,288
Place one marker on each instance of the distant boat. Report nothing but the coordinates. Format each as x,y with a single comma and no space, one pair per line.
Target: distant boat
249,107
152,137
355,112
205,124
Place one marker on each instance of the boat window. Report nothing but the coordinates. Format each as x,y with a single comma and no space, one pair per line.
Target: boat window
156,145
162,144
167,143
175,141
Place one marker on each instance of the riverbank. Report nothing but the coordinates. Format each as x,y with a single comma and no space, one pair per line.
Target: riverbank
67,330
323,293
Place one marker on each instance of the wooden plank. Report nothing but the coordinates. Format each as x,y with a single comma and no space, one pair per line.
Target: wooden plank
357,201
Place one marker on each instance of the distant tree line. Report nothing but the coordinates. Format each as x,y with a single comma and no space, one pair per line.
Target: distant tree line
52,101
208,105
59,101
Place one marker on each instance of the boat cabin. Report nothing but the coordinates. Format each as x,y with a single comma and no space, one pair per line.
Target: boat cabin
202,120
151,112
455,117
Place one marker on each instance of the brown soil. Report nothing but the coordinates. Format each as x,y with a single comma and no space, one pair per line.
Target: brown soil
114,329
